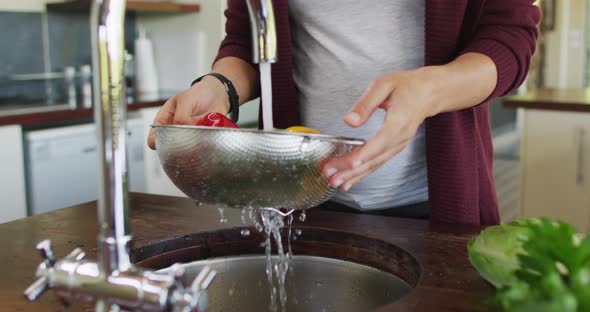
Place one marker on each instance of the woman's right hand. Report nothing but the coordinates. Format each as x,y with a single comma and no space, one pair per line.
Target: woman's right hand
185,108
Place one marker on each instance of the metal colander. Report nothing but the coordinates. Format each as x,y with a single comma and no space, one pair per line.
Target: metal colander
249,168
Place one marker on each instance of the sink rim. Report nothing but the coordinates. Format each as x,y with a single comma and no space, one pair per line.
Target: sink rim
319,283
314,241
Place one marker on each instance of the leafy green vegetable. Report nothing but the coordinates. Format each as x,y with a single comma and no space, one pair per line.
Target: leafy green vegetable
536,264
494,252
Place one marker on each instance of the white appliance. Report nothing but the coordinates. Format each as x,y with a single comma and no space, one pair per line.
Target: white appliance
12,177
62,165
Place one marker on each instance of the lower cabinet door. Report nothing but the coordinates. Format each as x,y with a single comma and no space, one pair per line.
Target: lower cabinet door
555,158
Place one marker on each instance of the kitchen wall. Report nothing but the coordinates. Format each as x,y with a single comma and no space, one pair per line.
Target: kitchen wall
185,46
564,63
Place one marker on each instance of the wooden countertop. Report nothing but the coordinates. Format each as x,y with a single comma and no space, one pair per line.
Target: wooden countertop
45,116
575,100
164,225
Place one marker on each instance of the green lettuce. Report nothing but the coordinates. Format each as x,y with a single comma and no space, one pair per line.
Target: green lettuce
535,264
494,252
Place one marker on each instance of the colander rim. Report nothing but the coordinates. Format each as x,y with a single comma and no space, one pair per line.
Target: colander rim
320,137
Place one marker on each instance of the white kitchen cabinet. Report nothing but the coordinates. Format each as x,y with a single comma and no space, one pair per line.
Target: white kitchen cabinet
62,165
13,203
555,165
156,180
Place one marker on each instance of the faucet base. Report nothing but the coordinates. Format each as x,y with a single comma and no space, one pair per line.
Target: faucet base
75,278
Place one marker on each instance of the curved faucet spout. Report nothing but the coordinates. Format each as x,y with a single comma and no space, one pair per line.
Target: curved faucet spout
264,33
108,37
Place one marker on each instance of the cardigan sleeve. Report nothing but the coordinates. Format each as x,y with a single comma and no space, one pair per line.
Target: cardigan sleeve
237,41
506,32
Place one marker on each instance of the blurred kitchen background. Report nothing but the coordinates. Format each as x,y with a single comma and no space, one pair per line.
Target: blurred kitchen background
48,157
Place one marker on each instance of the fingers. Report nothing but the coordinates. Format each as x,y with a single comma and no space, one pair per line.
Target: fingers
195,103
164,117
378,92
354,176
184,109
386,137
392,133
188,106
166,114
151,140
347,170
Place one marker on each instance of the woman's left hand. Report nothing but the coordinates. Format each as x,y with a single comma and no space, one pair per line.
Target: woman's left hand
408,98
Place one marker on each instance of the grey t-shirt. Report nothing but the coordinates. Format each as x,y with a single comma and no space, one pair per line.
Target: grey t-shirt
339,46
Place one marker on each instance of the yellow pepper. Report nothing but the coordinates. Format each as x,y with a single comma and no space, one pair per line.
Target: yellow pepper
300,129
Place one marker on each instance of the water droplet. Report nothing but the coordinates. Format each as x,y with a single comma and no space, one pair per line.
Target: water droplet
259,227
304,144
302,216
243,216
245,232
222,218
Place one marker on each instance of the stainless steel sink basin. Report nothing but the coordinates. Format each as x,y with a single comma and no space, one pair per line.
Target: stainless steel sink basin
315,284
332,270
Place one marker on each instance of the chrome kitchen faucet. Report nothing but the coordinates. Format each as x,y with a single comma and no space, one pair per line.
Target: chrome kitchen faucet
112,280
264,33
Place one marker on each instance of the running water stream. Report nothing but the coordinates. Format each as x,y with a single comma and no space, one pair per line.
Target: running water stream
266,96
270,222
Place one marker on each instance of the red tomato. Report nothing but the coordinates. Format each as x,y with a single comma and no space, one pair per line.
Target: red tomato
216,120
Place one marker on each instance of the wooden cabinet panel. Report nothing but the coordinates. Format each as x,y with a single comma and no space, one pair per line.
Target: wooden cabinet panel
554,159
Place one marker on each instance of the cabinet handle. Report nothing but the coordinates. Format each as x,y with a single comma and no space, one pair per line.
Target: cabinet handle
88,150
581,132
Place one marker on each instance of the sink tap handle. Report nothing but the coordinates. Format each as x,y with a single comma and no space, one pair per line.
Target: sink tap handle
37,288
203,279
76,255
195,298
47,253
42,283
177,272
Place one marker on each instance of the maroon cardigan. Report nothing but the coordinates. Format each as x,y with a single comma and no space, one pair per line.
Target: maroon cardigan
458,144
